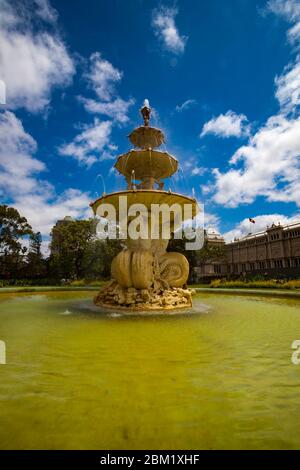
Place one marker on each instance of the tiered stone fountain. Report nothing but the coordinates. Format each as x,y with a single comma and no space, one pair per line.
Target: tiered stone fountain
144,276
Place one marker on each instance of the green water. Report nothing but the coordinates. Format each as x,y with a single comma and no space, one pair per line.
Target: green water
220,377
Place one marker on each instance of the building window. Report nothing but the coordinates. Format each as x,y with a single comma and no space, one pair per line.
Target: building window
275,236
278,263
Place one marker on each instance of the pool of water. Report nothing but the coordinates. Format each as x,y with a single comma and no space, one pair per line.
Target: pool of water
219,376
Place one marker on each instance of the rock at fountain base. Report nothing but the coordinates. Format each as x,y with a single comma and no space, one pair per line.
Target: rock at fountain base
116,297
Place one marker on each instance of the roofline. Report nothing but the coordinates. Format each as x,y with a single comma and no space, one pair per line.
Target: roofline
264,232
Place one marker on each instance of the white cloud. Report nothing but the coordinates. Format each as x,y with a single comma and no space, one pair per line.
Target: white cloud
294,33
211,221
42,213
45,11
190,167
163,23
87,146
270,166
93,143
116,109
288,83
290,10
32,61
261,222
21,183
227,125
288,87
18,166
185,105
102,76
198,171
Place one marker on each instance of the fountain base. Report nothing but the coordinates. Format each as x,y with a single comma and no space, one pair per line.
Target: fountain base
114,296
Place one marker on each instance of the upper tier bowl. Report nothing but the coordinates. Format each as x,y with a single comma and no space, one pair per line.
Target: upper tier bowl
146,137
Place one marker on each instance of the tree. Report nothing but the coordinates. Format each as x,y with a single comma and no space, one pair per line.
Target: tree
36,266
69,247
108,248
76,252
210,252
13,228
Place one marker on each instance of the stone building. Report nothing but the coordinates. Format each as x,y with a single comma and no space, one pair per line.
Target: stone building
55,234
272,252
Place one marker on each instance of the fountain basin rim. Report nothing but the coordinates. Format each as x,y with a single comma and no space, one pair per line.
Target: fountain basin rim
142,308
158,197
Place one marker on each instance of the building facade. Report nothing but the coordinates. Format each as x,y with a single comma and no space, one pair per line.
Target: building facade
55,234
273,252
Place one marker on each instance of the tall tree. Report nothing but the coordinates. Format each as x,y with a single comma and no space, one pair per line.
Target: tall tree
36,265
13,229
69,247
210,252
76,252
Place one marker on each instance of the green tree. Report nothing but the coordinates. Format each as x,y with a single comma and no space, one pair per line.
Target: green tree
109,249
77,253
210,252
13,229
36,265
70,246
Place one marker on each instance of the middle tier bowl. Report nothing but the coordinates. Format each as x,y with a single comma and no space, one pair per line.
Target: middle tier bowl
147,163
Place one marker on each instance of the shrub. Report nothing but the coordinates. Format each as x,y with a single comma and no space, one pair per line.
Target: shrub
28,282
258,284
87,282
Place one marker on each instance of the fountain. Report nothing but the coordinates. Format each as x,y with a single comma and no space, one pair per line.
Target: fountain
144,276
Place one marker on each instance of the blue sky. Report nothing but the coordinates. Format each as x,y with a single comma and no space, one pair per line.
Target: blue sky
223,79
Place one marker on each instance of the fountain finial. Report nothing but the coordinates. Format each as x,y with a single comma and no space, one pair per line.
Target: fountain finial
146,137
146,112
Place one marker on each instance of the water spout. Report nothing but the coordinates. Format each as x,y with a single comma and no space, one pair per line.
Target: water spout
103,182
